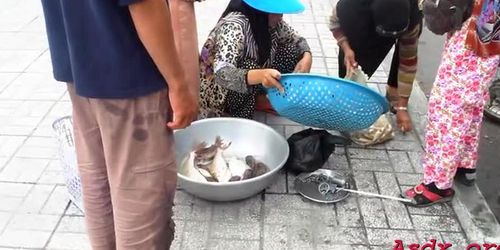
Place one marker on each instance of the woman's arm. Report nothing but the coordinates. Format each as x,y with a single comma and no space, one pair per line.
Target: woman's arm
408,59
229,45
286,34
334,26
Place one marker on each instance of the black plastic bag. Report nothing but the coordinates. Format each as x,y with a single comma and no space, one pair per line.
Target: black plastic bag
310,149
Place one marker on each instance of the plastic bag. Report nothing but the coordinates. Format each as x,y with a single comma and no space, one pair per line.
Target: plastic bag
381,130
310,149
357,76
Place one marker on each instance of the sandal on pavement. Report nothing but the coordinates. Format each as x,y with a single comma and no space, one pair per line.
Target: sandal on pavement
492,111
466,176
421,196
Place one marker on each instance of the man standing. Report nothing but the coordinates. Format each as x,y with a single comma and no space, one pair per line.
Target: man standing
129,91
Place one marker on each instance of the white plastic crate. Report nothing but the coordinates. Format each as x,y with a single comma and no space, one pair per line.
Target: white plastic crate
63,128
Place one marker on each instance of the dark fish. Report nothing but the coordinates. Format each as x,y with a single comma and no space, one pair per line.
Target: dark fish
258,168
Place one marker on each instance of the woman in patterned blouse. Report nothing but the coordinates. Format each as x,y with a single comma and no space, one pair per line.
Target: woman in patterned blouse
366,30
247,50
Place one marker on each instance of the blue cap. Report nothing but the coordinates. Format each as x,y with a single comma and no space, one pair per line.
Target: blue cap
277,6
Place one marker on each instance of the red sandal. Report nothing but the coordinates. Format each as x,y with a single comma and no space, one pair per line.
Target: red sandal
421,196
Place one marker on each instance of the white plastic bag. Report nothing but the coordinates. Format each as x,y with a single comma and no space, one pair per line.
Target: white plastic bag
378,132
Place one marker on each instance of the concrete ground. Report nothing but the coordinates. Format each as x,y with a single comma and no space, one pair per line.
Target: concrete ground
35,212
488,170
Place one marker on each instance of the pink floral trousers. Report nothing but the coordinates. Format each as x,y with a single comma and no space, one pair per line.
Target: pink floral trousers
456,111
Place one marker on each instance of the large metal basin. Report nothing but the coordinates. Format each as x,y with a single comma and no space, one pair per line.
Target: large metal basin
248,137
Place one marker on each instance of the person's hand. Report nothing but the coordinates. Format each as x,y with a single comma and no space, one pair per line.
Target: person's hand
403,120
304,65
184,106
350,60
269,78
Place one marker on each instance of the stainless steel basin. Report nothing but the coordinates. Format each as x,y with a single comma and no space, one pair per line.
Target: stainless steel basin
248,137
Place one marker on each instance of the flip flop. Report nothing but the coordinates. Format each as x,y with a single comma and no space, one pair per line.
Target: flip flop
423,197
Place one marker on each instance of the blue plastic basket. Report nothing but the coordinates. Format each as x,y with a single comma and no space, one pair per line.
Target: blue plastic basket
327,102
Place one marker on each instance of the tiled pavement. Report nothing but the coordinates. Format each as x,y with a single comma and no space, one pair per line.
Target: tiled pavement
35,212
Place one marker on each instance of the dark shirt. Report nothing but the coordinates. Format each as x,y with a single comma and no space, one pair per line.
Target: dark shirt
93,44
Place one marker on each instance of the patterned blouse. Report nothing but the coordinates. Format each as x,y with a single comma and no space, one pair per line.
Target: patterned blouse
229,53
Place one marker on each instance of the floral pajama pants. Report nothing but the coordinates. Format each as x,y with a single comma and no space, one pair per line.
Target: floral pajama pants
456,111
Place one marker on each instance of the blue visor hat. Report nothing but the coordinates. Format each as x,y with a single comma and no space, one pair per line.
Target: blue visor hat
277,6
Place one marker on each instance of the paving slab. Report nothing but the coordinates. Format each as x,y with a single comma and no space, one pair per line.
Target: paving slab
34,200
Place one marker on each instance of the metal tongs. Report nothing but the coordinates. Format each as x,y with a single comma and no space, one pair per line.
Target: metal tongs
325,188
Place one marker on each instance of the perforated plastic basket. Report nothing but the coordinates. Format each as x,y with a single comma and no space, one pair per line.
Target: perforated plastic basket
63,128
327,102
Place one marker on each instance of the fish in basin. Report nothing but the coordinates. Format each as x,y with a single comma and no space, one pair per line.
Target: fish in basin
258,168
207,163
188,169
239,169
210,160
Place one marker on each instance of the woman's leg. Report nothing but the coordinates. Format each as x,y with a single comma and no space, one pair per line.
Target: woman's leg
475,104
456,112
454,117
443,133
466,171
